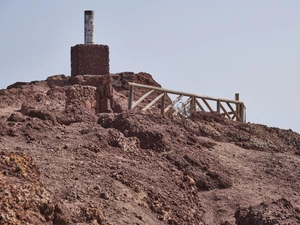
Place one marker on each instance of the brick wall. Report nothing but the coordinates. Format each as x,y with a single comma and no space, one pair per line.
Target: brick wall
89,59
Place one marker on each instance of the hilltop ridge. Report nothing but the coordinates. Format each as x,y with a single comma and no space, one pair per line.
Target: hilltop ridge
69,164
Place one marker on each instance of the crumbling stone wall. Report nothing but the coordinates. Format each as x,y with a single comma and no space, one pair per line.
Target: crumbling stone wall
89,59
94,92
82,95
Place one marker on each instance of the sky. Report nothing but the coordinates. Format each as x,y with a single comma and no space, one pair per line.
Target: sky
208,47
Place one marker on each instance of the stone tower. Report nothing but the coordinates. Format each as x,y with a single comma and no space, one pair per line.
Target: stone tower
89,58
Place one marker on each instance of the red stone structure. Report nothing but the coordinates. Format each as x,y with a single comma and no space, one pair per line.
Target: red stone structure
89,59
91,91
90,77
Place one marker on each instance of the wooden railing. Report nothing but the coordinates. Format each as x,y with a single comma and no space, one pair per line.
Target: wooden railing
231,109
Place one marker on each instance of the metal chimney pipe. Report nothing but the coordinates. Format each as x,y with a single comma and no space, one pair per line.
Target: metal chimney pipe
89,27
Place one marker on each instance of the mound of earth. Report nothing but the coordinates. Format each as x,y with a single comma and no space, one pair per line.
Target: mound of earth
67,165
279,212
24,199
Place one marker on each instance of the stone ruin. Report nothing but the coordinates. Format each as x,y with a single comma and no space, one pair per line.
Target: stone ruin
90,77
92,84
94,92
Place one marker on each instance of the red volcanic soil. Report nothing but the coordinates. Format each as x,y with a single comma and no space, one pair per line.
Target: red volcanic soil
63,165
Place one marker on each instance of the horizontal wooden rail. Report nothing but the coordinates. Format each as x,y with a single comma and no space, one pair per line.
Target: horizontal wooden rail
239,113
181,93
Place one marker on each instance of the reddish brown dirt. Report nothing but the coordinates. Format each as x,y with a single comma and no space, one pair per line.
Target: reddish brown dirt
280,211
70,166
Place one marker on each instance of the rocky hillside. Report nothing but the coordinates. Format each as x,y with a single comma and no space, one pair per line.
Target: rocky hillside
65,164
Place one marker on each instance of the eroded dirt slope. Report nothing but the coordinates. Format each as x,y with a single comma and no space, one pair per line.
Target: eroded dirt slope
131,168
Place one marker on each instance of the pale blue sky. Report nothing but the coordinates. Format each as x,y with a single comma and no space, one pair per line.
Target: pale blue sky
207,47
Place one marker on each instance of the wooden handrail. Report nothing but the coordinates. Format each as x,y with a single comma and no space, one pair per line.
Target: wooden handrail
182,93
239,113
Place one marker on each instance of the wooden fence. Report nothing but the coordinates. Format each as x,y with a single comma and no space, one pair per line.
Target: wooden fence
231,109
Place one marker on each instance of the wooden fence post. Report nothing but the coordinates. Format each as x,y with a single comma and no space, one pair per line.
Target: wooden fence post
238,106
242,113
163,104
218,106
130,97
193,105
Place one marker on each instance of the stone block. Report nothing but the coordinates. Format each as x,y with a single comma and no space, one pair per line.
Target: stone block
89,59
82,96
